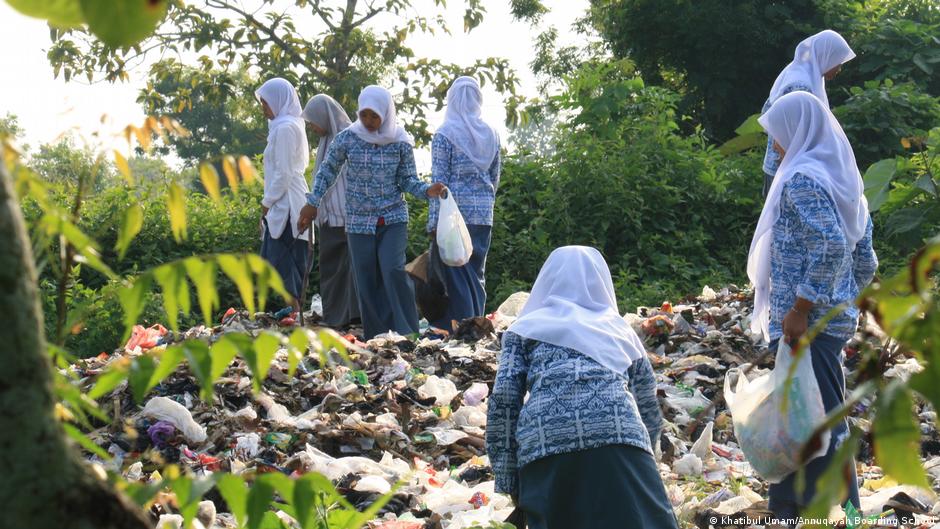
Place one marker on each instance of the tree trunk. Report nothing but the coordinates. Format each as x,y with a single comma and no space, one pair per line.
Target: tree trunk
44,484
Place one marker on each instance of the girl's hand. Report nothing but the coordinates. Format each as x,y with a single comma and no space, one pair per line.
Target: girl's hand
796,322
437,190
307,215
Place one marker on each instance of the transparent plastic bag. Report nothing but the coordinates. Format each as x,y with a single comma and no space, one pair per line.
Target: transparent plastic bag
453,238
770,436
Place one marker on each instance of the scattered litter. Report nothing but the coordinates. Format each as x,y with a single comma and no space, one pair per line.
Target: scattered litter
414,411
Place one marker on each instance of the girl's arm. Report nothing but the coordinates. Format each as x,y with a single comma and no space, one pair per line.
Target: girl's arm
495,170
864,258
441,153
407,174
502,414
326,176
643,387
285,138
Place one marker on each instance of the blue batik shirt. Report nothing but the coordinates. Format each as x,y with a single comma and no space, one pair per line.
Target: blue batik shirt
810,258
376,177
574,404
473,189
771,158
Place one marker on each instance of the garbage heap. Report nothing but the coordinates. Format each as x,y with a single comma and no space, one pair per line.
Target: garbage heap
414,413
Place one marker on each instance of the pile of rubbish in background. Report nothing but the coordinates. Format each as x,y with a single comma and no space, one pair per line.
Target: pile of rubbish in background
414,412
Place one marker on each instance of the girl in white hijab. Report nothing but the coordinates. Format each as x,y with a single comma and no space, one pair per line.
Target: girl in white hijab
378,157
465,158
817,59
811,251
337,287
285,161
578,452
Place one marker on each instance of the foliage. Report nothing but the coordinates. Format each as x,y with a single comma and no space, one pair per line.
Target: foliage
65,163
115,22
894,39
311,499
625,180
222,115
723,56
881,117
905,193
342,57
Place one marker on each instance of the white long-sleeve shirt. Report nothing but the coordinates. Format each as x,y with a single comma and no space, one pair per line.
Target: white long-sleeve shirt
285,188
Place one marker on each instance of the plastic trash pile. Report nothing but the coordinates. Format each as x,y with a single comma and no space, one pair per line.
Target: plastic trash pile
414,412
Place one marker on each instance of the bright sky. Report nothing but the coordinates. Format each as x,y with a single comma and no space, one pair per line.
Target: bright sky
48,107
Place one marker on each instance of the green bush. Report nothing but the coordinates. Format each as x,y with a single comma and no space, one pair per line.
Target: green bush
878,117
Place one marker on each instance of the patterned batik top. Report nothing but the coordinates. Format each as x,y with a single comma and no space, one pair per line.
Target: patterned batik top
810,258
574,404
771,158
473,189
376,177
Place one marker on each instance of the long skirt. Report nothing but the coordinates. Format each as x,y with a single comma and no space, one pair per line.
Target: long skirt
386,292
826,353
610,487
466,285
337,286
288,256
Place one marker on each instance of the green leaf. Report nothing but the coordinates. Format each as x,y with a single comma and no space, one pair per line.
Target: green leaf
833,484
231,172
61,13
239,271
926,184
750,126
743,143
896,437
116,373
172,280
210,180
123,167
131,225
298,344
142,370
878,182
189,492
235,492
133,299
261,355
223,352
176,207
259,498
200,363
168,361
267,278
122,23
202,274
907,219
85,442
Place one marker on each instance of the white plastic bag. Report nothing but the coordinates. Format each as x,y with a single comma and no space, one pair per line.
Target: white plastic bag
770,437
164,409
453,238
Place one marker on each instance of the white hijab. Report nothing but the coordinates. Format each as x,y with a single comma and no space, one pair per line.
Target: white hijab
379,100
815,56
324,112
573,305
282,99
817,147
463,126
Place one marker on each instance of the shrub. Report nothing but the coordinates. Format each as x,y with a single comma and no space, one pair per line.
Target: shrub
878,117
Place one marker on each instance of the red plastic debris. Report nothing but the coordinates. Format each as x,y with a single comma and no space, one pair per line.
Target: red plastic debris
145,338
228,314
